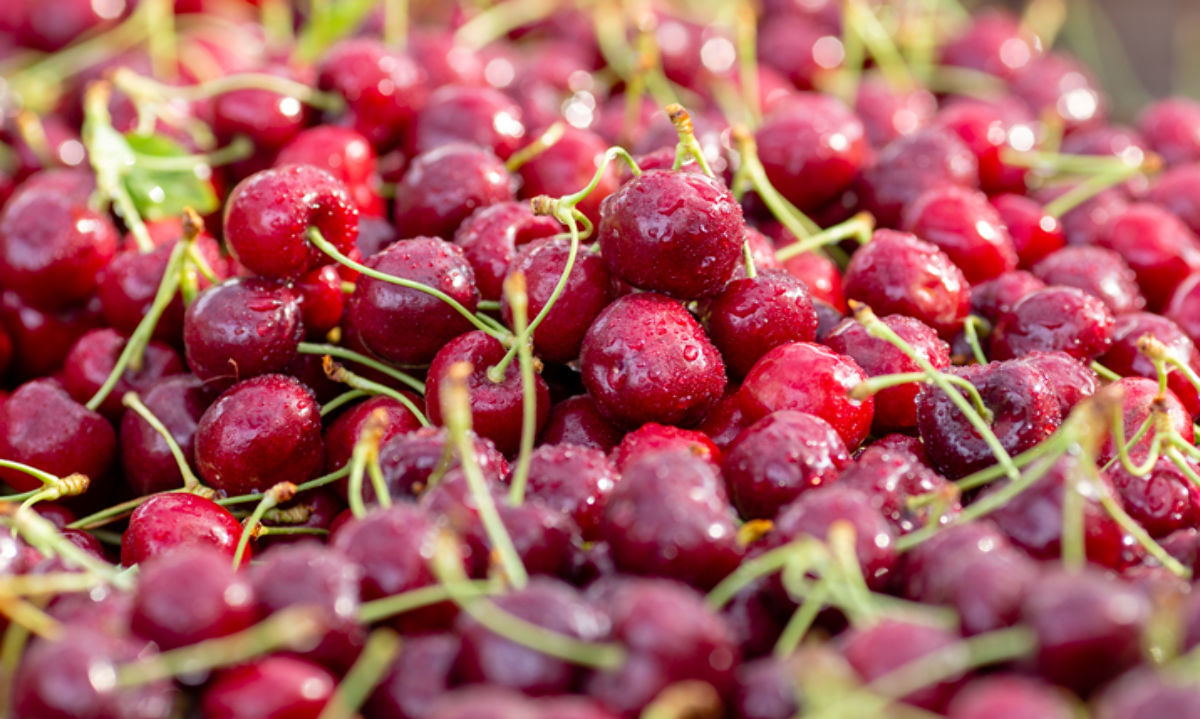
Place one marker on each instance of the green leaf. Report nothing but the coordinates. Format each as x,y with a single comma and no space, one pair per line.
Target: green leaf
161,190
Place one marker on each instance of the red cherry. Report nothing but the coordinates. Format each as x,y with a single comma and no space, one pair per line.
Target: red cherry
1169,126
995,297
383,89
480,116
40,425
40,339
994,42
1054,318
275,687
172,521
443,186
752,316
653,437
344,432
94,356
567,166
343,153
912,164
1095,270
1126,359
490,236
1034,233
576,420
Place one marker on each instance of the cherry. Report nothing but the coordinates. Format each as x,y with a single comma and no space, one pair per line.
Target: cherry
810,378
1162,501
408,326
342,433
1054,318
795,45
778,458
964,226
1178,190
268,119
322,301
654,437
479,116
895,407
342,152
274,687
1161,250
766,689
1125,358
577,420
820,275
587,292
1169,126
674,232
754,315
169,521
189,595
645,359
408,461
51,244
912,164
812,147
1180,308
1089,627
309,574
268,217
994,42
391,546
890,479
178,402
496,407
574,480
1021,400
383,89
671,636
260,432
1095,270
725,421
569,165
896,273
1139,400
1035,234
419,675
374,234
1071,381
1184,546
55,25
489,238
888,112
443,186
1144,693
92,359
989,128
482,702
40,425
1009,695
890,644
1056,85
57,680
996,297
444,61
489,658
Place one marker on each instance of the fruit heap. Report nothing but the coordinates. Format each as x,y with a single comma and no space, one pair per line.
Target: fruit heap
436,363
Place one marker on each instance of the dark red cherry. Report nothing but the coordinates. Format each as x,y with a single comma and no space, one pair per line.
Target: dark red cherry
1126,359
275,687
40,425
189,595
1071,380
1139,400
671,636
587,292
176,520
52,245
895,407
443,186
1178,190
725,421
810,378
94,356
989,128
1089,627
577,420
1094,270
488,658
1183,308
822,277
912,164
1169,126
997,296
322,301
344,153
383,89
574,480
767,688
798,47
1161,250
654,437
419,675
890,479
669,516
490,236
779,457
1162,501
888,112
646,359
567,166
1010,695
1145,693
496,407
896,273
674,232
408,461
1021,400
752,316
269,214
313,575
344,432
268,119
1054,318
404,325
1057,85
994,42
1034,233
479,116
481,702
890,644
260,432
812,147
961,223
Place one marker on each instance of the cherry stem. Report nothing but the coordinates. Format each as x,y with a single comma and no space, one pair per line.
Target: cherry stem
544,142
110,156
874,385
50,585
289,628
518,301
278,22
266,530
878,42
1123,447
447,566
949,80
71,485
1088,189
764,565
342,353
456,410
483,324
1044,19
365,454
971,327
688,699
746,32
161,38
12,647
395,23
751,173
341,400
860,227
840,537
302,487
141,87
956,659
877,328
377,610
273,497
43,476
381,649
42,535
118,511
801,620
1072,544
33,133
687,146
1104,372
133,402
339,373
240,148
501,19
30,617
1131,526
748,260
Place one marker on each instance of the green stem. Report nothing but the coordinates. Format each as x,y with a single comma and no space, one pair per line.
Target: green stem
752,171
688,146
765,564
1134,529
801,621
338,373
1104,372
310,348
341,400
239,148
382,647
144,87
518,301
378,610
971,330
273,497
110,156
955,660
500,19
858,227
133,402
1073,543
42,535
41,475
303,487
746,31
544,142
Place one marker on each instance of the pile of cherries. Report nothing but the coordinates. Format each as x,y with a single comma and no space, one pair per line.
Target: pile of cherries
436,363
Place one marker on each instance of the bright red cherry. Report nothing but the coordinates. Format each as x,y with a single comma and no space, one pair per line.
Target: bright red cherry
490,238
1054,318
1094,270
752,316
383,89
40,425
176,520
812,147
1034,233
343,153
964,226
569,165
1161,250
